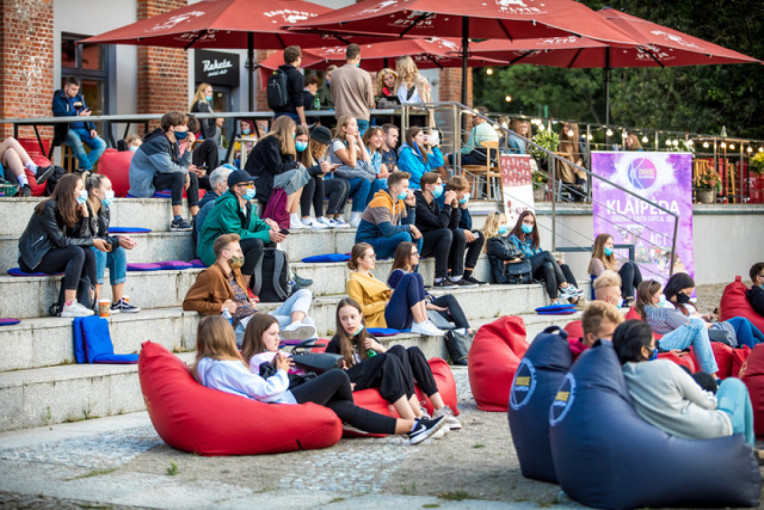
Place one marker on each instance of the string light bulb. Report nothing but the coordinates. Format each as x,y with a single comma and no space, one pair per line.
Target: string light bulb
507,98
571,132
589,137
749,149
489,71
723,145
668,142
732,146
644,139
609,132
705,145
761,149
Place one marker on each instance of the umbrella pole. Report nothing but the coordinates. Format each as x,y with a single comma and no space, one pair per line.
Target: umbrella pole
465,52
251,60
607,86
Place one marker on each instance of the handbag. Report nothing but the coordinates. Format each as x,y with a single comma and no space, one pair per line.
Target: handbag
723,332
458,346
519,272
318,362
439,321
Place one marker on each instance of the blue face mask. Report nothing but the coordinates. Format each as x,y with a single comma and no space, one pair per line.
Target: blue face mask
246,131
608,251
133,148
438,191
503,229
209,99
654,355
181,135
527,229
301,146
249,194
82,197
358,331
108,198
402,195
465,199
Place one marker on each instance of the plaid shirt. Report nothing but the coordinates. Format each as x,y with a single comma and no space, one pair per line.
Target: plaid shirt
244,307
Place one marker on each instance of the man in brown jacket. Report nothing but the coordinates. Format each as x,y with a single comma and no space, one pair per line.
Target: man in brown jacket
352,90
219,289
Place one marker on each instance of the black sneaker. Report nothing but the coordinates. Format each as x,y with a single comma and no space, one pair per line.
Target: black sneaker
123,306
463,283
180,225
445,283
301,282
25,191
472,279
43,173
425,429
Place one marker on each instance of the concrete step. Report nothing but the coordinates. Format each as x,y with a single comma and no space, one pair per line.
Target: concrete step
45,396
48,341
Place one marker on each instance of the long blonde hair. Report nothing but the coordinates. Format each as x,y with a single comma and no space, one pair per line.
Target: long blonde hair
407,72
598,252
282,129
381,79
338,129
569,144
199,96
491,226
215,339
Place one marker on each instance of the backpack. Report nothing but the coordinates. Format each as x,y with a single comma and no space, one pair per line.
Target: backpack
276,208
84,291
519,272
277,91
53,179
271,277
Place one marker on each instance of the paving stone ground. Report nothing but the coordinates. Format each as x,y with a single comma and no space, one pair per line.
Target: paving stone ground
120,462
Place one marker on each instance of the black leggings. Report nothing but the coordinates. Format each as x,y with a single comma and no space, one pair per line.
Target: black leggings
415,367
332,389
438,243
176,182
546,268
206,154
336,190
74,261
253,250
455,313
456,261
385,373
631,277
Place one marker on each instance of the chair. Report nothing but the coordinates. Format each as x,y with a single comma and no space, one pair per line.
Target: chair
489,171
570,188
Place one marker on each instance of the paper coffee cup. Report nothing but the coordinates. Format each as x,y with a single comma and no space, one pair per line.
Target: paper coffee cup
104,306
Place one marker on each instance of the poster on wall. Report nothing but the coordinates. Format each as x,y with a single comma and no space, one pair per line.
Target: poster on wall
516,186
661,177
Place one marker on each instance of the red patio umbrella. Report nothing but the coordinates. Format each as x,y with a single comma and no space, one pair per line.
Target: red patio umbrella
242,24
491,19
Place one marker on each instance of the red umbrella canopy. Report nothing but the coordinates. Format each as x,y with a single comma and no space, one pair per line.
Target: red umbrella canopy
490,19
663,46
221,24
430,53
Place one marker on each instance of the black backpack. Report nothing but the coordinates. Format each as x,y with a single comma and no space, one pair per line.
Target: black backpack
85,291
53,179
271,277
278,91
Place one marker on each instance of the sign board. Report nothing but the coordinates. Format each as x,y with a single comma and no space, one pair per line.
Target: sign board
661,177
516,185
216,68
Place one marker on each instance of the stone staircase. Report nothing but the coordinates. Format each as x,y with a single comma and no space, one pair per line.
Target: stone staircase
39,384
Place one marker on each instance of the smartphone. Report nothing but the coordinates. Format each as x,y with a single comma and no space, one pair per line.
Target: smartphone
284,231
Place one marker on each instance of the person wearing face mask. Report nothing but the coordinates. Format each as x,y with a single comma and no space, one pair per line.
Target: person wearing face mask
234,213
222,289
598,323
607,288
499,249
603,258
245,142
465,238
57,239
666,396
164,161
437,227
100,198
755,294
202,103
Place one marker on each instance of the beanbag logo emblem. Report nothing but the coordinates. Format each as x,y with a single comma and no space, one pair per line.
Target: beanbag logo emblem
563,400
642,173
523,385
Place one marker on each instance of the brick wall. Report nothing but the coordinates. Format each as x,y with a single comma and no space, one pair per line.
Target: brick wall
162,72
26,61
261,99
450,85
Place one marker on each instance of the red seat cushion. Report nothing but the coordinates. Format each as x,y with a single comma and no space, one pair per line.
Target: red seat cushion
495,353
739,356
575,330
752,374
735,304
116,166
723,354
192,418
683,359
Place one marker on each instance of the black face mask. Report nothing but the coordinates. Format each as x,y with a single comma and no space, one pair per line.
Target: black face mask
682,298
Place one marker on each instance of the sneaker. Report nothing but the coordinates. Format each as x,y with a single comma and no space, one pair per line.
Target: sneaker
180,225
463,283
25,191
314,224
301,282
426,328
569,292
323,220
123,306
445,283
295,223
251,295
75,310
425,429
340,223
451,421
355,220
43,173
298,331
474,280
559,302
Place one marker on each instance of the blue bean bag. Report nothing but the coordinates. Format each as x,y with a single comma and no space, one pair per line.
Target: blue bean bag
606,456
534,387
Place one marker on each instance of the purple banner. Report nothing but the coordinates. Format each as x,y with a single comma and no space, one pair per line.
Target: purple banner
661,177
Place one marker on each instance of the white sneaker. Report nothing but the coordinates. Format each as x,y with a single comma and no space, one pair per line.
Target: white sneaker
355,219
295,223
570,292
76,310
298,331
451,421
323,220
426,328
314,224
340,222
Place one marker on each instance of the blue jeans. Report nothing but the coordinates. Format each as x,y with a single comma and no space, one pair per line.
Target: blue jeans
363,125
293,116
360,192
747,333
733,399
297,302
695,334
76,137
385,247
408,292
377,185
115,260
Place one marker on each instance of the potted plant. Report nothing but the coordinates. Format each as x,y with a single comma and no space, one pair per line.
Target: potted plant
756,165
540,180
545,138
708,184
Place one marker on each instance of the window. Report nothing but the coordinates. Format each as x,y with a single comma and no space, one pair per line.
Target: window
89,63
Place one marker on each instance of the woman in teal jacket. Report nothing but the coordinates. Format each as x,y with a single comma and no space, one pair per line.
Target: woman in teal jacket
417,156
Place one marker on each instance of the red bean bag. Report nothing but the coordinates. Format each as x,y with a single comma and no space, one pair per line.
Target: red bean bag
444,379
723,354
495,353
116,166
37,189
575,330
682,359
752,374
735,304
192,418
738,359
